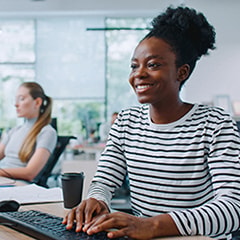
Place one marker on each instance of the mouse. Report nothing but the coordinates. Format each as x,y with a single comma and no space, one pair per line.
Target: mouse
9,206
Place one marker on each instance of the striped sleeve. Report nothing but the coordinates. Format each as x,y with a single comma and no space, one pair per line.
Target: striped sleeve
220,216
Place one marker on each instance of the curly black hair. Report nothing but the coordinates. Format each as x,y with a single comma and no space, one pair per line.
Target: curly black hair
186,31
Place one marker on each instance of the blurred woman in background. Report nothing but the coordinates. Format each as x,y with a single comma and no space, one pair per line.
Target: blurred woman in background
25,149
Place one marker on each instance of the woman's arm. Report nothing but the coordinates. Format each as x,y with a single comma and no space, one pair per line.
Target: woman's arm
134,227
34,166
2,148
220,216
96,218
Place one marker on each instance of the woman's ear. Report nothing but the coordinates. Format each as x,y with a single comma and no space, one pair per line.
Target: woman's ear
38,101
183,72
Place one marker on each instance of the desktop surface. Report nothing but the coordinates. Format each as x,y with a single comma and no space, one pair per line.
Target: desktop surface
57,209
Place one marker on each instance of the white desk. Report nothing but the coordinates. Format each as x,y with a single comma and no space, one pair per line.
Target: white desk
89,151
58,210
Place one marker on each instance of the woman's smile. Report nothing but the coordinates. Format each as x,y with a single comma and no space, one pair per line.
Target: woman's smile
143,87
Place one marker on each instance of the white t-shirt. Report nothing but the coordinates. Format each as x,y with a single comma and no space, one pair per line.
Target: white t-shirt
47,138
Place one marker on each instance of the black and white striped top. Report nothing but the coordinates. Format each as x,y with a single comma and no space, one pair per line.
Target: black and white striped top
189,168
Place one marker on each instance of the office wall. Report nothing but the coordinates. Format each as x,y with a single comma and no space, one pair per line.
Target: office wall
215,74
218,73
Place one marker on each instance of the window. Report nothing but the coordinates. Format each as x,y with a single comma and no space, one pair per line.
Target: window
17,59
85,72
121,44
70,67
65,58
70,59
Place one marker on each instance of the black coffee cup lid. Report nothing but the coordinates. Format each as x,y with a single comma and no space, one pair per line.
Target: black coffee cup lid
72,174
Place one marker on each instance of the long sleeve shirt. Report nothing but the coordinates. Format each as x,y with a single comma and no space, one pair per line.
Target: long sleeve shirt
188,168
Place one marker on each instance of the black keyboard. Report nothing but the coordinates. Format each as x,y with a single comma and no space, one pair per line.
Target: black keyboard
45,226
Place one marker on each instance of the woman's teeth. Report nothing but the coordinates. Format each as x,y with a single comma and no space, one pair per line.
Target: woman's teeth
143,86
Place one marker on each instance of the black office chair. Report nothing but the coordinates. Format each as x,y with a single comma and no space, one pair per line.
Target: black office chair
45,173
236,235
123,194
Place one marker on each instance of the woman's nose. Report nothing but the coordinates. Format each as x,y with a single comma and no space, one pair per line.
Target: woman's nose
140,72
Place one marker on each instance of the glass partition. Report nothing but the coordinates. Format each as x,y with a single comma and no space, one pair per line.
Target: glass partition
17,60
121,43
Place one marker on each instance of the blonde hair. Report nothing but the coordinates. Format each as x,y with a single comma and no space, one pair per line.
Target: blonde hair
44,118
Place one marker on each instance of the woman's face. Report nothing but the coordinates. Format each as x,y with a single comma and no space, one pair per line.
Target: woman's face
154,75
26,106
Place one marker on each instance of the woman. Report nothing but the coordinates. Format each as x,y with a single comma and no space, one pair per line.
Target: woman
182,159
26,148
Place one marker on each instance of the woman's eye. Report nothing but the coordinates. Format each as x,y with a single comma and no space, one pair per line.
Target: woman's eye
153,65
133,66
19,99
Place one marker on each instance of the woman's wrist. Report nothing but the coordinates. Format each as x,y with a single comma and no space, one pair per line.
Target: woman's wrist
104,205
163,225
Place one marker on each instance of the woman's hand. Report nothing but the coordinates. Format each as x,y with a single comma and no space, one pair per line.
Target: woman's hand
92,216
85,213
121,224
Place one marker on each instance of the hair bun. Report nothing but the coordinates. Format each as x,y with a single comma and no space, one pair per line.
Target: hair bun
188,25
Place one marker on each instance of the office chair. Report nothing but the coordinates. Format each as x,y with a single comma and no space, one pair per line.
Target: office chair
122,195
236,235
45,173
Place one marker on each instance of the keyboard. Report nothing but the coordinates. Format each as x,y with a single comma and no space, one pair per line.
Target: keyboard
45,226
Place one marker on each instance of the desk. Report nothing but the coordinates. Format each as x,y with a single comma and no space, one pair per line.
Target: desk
58,210
4,181
89,151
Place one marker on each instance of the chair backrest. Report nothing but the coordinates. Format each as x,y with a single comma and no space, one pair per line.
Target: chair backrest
45,173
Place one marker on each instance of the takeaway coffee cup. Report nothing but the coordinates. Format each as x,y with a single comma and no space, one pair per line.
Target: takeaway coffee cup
72,187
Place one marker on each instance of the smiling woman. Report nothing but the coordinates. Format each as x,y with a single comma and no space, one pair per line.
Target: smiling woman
174,152
154,76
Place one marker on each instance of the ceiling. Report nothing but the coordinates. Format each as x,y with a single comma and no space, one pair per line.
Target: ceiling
78,6
214,9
